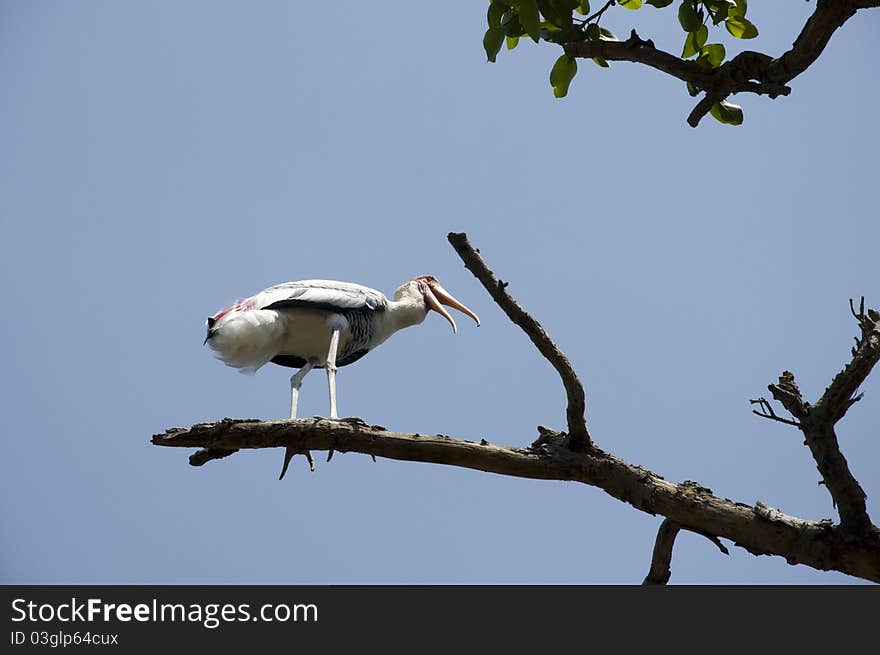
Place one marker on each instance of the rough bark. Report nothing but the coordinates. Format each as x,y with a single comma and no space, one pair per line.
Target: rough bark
759,529
661,560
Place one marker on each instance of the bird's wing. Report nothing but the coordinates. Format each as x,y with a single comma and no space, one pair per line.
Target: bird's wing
321,294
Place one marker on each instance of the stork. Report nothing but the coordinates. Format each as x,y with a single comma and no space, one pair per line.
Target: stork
320,324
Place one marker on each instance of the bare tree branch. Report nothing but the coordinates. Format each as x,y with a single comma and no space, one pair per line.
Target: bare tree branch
817,422
205,455
842,392
829,16
757,529
577,427
661,558
748,72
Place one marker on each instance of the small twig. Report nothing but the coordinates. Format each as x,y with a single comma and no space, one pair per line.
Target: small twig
861,314
767,412
704,106
599,13
715,540
577,426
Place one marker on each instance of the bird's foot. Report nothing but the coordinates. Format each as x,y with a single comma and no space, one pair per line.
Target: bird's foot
354,420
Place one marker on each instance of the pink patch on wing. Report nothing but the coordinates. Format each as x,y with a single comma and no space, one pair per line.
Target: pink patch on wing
240,305
224,312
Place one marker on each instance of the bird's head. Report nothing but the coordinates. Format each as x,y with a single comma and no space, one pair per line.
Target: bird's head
434,296
211,323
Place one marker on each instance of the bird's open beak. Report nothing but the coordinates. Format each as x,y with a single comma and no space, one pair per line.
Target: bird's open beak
435,295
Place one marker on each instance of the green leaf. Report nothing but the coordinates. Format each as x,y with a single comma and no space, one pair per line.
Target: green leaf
692,90
694,41
494,13
607,35
630,4
557,12
600,62
549,12
510,24
727,113
720,8
713,54
529,19
492,40
659,3
688,17
511,41
593,33
583,8
738,9
741,28
562,74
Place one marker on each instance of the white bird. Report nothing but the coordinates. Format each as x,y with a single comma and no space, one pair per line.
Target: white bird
320,324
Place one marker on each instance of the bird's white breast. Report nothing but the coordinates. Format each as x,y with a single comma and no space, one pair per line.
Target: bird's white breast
307,333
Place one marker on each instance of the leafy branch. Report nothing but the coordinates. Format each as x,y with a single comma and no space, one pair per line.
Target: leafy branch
703,66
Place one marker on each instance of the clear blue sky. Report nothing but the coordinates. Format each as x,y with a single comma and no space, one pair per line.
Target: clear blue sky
160,160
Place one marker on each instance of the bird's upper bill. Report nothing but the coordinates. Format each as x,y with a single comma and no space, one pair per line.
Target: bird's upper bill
436,296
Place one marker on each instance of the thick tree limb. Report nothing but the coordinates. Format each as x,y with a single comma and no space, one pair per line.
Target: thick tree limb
758,529
750,72
577,427
817,423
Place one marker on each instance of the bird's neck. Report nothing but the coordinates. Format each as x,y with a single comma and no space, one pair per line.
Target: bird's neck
405,312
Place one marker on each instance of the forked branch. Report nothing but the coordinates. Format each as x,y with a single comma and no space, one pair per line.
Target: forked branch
817,421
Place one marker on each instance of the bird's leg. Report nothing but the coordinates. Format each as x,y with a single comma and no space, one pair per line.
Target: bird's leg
331,370
295,383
